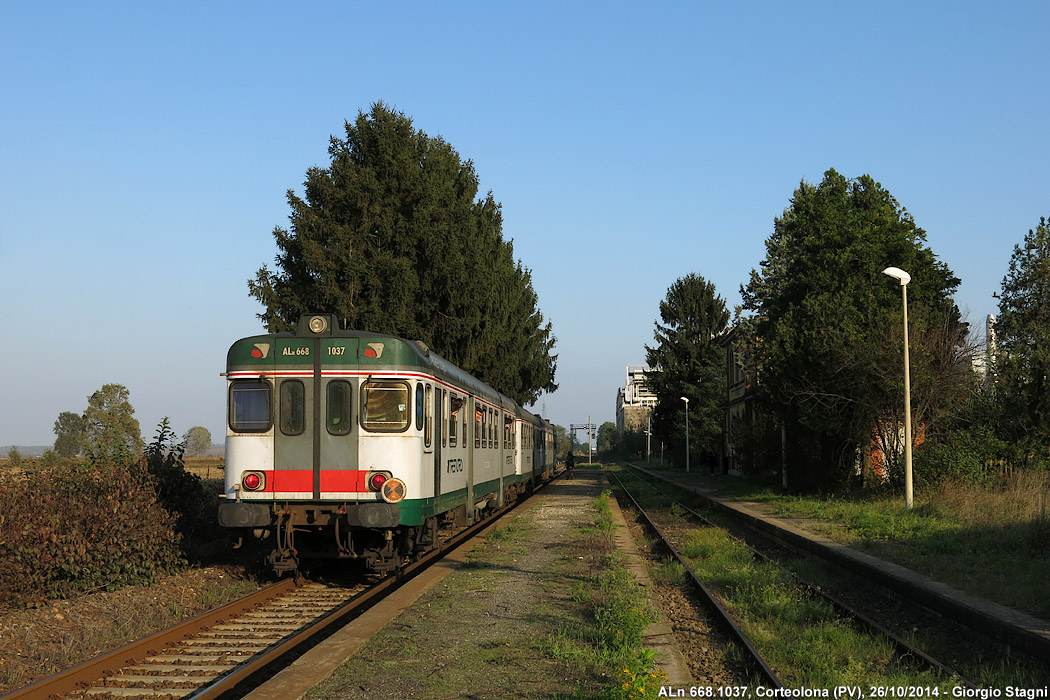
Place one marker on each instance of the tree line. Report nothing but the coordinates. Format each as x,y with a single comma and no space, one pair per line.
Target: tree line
820,340
107,430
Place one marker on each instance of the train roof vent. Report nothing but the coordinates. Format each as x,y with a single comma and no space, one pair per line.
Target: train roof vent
317,324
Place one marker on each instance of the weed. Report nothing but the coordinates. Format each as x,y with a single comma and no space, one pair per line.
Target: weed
603,519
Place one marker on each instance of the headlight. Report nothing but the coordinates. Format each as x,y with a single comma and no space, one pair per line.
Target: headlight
318,324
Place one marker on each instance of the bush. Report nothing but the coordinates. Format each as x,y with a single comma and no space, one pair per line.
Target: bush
180,492
75,527
973,456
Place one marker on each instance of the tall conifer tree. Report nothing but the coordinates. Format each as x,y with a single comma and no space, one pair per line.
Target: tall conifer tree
1022,336
687,361
391,239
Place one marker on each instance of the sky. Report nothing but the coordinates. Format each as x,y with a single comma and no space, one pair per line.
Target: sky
148,147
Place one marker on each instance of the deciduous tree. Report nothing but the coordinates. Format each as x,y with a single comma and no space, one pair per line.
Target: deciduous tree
69,427
197,440
827,328
111,431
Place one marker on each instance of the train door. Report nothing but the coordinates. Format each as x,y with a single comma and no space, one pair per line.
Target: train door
313,457
336,467
437,409
472,452
293,434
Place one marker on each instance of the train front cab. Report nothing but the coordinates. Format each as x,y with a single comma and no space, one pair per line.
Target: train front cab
300,469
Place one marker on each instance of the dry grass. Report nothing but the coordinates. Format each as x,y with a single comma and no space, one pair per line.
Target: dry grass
206,468
1019,497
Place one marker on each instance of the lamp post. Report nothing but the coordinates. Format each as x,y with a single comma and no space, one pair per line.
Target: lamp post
686,432
904,278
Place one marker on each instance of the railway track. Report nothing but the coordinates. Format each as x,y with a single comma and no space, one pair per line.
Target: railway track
987,649
753,658
907,654
234,646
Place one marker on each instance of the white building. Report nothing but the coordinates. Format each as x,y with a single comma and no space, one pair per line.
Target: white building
634,400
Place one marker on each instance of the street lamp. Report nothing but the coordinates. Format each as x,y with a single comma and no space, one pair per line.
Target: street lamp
904,278
686,432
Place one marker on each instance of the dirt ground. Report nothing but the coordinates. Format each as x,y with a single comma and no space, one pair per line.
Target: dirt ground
493,629
37,642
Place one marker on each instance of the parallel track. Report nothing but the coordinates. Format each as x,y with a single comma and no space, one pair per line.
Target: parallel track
712,601
845,611
969,630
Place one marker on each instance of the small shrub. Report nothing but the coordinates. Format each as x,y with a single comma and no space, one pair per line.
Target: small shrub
179,491
637,684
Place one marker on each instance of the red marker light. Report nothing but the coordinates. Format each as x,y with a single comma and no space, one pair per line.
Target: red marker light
252,481
376,481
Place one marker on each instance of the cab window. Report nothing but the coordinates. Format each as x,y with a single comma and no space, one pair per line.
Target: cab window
338,420
384,406
250,406
293,409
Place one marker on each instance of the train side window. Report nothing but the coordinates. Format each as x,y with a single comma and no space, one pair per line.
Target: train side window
486,427
428,419
384,406
293,407
250,402
338,416
477,426
455,405
439,412
419,406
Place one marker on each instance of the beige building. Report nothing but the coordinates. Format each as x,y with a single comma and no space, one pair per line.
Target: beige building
634,401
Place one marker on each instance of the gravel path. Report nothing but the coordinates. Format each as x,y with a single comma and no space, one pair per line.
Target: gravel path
500,626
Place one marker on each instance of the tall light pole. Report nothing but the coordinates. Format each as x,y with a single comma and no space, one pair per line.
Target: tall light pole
904,278
686,432
649,439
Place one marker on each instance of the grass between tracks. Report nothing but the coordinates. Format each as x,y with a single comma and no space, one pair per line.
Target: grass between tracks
798,633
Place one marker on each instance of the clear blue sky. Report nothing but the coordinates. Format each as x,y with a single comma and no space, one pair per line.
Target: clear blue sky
147,148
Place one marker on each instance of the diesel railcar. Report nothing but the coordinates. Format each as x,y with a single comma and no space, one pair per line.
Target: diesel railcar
356,445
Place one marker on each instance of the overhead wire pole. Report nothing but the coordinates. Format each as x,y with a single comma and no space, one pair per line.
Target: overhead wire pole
589,427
